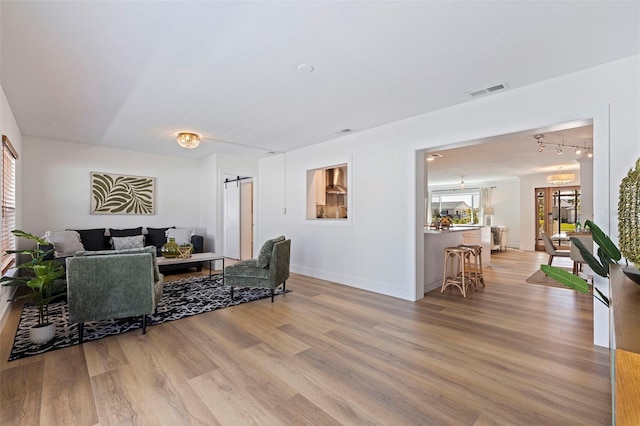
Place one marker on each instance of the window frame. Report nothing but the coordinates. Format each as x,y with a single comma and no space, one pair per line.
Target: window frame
440,193
312,190
8,203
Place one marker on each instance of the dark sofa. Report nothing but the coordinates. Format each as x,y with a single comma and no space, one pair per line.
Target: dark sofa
97,239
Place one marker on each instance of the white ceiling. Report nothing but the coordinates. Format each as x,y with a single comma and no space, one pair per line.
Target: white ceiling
513,155
131,74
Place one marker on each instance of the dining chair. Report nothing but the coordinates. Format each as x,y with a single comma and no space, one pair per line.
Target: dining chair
576,256
551,249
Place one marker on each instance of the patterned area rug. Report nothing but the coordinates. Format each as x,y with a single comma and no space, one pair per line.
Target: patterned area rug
181,298
541,279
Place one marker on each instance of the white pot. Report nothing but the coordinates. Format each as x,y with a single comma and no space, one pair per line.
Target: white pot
42,334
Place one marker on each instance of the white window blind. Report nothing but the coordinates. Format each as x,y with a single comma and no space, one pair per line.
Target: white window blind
8,242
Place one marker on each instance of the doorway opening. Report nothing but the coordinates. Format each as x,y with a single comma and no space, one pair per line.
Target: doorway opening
238,215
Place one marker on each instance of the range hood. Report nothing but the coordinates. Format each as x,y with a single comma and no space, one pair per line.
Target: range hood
335,181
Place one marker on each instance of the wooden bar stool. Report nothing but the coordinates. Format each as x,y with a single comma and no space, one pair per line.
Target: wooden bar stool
476,265
457,267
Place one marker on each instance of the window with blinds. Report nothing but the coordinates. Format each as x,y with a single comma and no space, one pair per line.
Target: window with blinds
8,242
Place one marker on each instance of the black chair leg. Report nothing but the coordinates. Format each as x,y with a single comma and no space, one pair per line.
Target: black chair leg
231,288
144,324
284,286
81,331
272,291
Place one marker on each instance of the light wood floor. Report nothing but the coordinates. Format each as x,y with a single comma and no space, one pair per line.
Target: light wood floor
510,354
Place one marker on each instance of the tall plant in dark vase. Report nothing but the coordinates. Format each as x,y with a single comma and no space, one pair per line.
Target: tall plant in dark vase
43,278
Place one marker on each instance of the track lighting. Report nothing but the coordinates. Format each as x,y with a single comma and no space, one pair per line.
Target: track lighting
561,146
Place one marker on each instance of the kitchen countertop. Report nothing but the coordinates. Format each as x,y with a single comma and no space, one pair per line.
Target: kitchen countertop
454,229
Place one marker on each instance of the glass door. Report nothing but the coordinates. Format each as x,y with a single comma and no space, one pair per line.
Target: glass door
557,213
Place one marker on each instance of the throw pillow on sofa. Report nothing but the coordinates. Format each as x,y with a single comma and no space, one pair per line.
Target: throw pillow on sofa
65,243
131,232
92,239
123,243
157,236
125,232
181,235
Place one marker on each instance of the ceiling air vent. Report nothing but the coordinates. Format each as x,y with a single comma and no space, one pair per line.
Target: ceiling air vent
487,90
343,131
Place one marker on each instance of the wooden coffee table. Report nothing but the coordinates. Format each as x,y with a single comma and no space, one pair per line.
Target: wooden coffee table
195,257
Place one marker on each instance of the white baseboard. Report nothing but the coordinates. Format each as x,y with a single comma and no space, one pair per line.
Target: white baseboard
351,281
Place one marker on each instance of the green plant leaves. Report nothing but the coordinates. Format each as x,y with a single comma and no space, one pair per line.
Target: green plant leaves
565,278
40,278
598,268
603,241
572,281
121,194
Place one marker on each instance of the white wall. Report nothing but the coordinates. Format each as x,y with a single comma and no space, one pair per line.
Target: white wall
210,211
364,254
57,191
506,202
57,196
378,251
9,127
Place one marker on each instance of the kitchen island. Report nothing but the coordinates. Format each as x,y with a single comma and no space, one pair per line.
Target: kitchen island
435,242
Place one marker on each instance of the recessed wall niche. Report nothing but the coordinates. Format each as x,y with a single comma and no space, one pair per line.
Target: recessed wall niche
328,193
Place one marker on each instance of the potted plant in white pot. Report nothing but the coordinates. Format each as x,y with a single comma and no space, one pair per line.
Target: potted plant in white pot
43,279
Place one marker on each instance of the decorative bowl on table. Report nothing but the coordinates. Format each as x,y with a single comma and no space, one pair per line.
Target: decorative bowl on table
632,273
185,251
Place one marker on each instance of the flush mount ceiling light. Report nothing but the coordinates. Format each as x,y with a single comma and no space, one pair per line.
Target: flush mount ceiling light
560,146
188,140
191,140
431,157
560,178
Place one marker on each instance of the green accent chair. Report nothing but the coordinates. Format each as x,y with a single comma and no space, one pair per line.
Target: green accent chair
269,270
111,284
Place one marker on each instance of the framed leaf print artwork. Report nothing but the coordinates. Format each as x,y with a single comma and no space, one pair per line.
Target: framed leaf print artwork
122,194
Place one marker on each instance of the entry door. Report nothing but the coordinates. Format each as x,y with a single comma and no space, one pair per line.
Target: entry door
232,220
557,212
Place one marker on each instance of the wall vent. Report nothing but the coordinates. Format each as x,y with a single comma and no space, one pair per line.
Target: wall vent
487,90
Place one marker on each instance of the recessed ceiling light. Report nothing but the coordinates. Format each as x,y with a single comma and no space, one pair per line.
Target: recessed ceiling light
431,157
305,68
